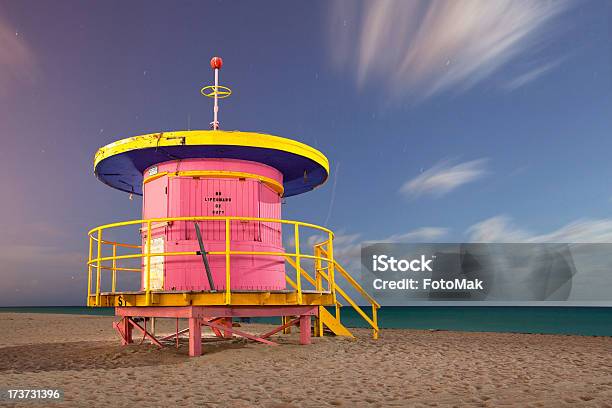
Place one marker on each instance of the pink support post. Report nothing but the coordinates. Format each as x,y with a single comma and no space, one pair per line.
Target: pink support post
228,323
126,329
195,337
305,329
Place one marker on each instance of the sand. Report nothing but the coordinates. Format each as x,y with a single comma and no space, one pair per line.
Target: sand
404,368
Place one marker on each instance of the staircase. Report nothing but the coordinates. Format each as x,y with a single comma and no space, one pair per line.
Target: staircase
326,319
334,325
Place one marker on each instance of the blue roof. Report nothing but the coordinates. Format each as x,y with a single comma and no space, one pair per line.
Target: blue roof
124,171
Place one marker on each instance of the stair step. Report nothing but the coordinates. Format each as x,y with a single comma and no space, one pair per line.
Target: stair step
333,324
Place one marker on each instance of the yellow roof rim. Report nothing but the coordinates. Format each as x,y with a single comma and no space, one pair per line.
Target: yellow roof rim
210,138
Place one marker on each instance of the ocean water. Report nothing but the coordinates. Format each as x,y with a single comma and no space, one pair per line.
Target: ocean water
587,321
80,310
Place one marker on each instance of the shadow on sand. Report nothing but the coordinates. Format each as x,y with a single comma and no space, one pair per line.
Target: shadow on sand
86,355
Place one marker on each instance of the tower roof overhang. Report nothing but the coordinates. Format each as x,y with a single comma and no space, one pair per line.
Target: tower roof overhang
121,164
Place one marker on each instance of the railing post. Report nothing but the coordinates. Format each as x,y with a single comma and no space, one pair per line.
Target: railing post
318,326
318,265
375,320
89,269
114,284
228,292
148,270
298,268
332,261
98,267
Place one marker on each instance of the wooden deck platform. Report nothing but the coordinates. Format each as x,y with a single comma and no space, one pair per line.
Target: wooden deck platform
201,298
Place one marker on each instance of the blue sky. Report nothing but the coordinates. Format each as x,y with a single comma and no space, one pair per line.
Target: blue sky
443,121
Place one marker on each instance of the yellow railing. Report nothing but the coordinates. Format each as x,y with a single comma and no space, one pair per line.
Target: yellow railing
100,262
324,263
325,250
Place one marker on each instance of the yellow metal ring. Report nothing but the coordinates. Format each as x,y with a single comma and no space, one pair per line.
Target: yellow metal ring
273,184
220,91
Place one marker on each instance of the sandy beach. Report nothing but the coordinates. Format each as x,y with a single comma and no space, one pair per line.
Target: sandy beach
82,356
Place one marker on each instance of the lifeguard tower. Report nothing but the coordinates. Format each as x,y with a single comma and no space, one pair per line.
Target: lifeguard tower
212,243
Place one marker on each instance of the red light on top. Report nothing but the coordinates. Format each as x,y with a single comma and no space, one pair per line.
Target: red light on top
216,62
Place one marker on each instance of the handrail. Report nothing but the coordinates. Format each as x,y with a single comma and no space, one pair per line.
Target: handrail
95,236
302,272
354,283
135,256
211,218
373,321
119,244
118,268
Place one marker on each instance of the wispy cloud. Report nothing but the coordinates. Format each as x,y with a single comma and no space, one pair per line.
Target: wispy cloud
17,61
501,229
444,178
424,234
497,229
422,48
531,75
580,231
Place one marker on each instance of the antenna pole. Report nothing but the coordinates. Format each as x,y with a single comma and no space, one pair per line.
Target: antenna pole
216,108
216,91
216,63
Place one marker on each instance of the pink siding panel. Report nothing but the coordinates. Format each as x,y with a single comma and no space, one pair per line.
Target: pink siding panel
188,196
155,202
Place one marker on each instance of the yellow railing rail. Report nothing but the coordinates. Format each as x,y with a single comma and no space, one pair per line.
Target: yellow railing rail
352,281
211,218
374,304
97,262
372,321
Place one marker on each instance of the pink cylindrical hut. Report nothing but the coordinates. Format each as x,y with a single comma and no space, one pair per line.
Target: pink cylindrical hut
208,188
